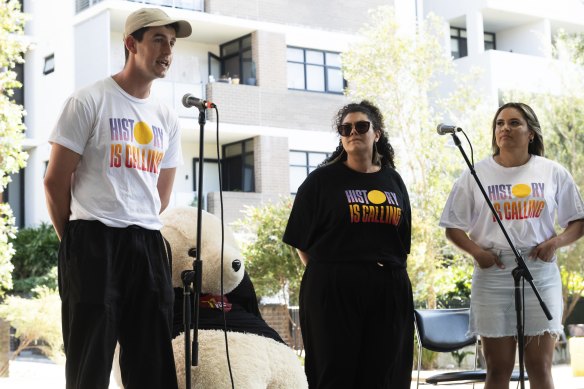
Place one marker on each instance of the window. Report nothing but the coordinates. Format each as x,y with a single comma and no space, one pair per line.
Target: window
458,42
234,61
18,96
314,70
458,47
14,195
490,43
49,64
214,67
237,166
80,5
301,164
210,178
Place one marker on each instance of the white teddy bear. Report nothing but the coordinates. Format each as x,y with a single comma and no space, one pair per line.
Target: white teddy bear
259,358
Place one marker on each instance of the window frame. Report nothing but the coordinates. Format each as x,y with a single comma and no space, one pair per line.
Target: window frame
226,180
49,64
494,41
463,41
307,164
241,55
324,66
19,93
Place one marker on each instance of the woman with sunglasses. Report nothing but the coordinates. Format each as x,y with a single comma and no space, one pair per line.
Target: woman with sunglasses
529,193
350,224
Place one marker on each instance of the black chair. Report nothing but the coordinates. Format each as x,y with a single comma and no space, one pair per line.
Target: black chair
444,330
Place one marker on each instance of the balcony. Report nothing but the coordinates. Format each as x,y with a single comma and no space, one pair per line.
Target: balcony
274,106
194,5
513,71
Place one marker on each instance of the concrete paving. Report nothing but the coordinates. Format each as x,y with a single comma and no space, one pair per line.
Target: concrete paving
563,379
37,372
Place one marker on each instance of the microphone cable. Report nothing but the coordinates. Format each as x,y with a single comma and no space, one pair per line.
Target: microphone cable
222,248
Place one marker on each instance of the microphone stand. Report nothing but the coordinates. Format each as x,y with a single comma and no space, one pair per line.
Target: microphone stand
194,276
521,271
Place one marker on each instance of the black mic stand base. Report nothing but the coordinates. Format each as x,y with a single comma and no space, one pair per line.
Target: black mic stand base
517,275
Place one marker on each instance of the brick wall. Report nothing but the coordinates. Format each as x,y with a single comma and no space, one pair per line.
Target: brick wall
277,317
281,109
233,203
270,103
272,164
269,54
286,323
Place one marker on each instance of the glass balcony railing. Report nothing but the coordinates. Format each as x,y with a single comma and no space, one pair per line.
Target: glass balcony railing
195,5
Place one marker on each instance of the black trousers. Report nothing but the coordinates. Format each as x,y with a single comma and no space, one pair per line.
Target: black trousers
357,326
115,286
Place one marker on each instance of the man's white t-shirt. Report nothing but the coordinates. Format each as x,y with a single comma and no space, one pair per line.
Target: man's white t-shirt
527,199
124,142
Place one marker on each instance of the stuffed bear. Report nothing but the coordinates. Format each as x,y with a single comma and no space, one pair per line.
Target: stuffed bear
259,358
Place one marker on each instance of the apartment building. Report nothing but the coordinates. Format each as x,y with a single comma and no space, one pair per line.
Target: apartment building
510,40
271,67
273,70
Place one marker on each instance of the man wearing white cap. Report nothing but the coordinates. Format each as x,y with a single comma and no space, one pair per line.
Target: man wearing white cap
114,154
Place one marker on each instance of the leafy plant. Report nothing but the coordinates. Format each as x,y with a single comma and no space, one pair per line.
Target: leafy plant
561,115
400,73
273,265
37,322
12,156
36,250
429,357
459,356
7,231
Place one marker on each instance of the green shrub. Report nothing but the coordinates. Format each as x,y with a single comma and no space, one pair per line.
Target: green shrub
37,322
35,256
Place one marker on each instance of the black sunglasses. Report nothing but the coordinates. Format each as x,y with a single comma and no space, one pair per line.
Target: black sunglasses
361,127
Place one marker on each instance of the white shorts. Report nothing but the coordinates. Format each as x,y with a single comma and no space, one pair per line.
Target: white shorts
492,302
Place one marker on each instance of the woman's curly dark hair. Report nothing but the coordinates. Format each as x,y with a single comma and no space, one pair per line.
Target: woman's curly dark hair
382,152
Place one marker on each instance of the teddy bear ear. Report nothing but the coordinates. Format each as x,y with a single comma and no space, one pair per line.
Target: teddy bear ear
182,219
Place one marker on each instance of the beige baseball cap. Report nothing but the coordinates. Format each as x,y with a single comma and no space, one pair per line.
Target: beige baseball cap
155,17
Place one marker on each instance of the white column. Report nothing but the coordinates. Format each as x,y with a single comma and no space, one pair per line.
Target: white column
405,12
475,33
547,39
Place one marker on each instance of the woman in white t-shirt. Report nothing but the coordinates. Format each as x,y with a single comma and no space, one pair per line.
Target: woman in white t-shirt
528,193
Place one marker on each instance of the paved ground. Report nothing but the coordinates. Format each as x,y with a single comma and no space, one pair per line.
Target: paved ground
563,379
35,372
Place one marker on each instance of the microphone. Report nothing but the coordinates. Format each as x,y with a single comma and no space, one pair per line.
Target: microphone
444,129
189,100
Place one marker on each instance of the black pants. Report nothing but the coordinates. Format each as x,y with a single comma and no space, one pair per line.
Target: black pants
357,326
115,286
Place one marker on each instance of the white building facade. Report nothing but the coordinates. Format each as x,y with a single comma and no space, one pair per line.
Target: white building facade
273,70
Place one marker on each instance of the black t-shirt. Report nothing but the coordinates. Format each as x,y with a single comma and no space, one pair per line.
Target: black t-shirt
343,215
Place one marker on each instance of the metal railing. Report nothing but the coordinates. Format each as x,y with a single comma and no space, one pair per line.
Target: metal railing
295,332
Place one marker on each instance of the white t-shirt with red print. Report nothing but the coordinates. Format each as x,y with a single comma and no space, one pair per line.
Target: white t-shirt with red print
527,199
124,142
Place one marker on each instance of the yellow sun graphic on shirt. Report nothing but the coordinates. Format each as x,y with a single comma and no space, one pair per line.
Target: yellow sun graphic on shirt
143,133
376,197
521,190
